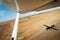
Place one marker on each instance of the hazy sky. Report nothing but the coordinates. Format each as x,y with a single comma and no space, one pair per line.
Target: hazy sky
6,13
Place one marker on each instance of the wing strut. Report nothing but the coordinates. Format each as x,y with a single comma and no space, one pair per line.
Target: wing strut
14,33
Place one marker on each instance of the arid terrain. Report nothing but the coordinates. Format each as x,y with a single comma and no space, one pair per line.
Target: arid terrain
6,30
32,28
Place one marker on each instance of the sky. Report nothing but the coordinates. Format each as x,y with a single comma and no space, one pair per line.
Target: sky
6,13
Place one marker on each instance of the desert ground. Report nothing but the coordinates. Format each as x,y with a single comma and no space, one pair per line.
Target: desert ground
6,30
32,28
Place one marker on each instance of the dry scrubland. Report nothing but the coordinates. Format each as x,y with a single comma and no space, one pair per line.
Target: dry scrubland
6,30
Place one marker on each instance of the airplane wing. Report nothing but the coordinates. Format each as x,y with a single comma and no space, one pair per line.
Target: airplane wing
53,25
54,28
46,26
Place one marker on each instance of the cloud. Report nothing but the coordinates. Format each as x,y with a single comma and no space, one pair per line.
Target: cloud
2,12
